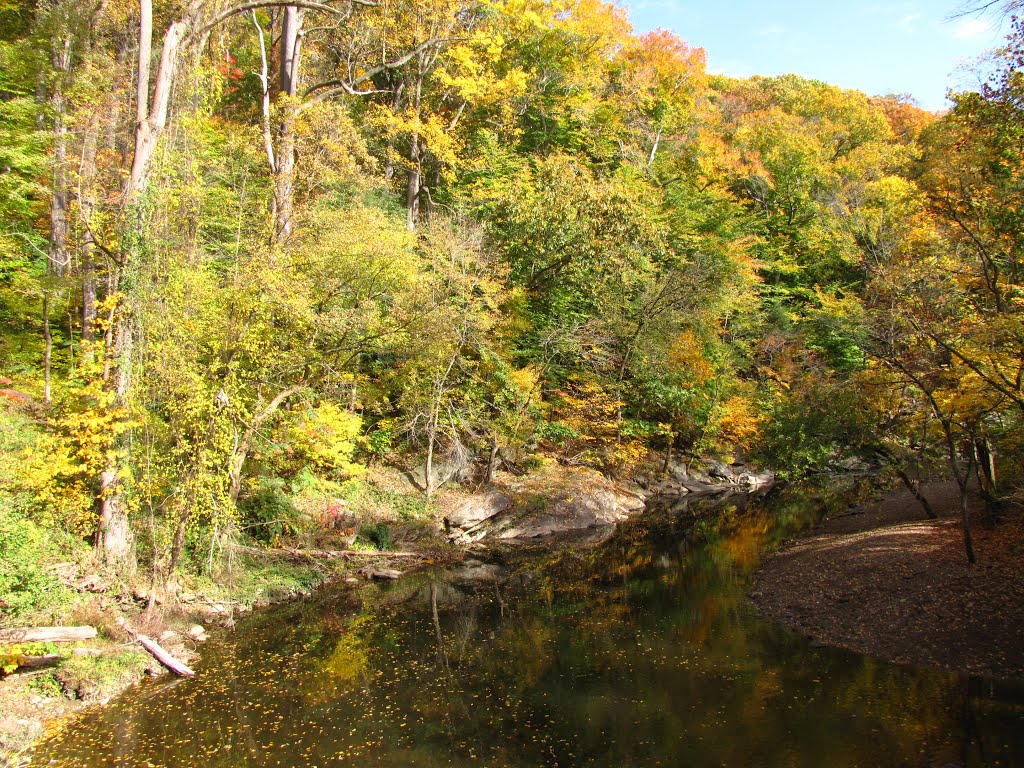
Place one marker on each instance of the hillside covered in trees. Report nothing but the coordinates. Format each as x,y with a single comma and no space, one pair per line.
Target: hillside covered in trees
251,253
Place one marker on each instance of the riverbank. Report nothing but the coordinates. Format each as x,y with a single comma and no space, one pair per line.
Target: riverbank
550,501
883,580
89,673
34,702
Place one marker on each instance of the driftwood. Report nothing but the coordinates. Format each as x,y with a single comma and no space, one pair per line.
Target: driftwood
151,645
47,634
321,554
39,662
379,573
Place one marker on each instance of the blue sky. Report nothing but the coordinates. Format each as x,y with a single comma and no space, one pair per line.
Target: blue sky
903,46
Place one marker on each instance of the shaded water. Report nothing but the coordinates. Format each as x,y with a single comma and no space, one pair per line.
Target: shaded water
641,652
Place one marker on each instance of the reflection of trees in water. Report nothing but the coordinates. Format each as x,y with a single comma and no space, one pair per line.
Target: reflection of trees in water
643,650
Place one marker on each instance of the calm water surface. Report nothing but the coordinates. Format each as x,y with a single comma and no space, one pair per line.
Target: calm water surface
643,651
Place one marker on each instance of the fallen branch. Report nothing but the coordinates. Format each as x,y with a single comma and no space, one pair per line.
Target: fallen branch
321,554
47,634
151,645
379,573
39,662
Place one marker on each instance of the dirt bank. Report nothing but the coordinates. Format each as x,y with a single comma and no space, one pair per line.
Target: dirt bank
883,580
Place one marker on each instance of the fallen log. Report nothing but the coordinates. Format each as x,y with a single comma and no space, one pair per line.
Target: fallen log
321,554
39,662
47,634
151,645
380,573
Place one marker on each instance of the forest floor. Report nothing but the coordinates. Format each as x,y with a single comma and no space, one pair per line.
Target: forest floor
884,580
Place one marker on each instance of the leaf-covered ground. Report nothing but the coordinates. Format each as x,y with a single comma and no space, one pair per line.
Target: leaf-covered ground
885,581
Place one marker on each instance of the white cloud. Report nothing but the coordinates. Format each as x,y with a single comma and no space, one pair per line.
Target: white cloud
973,29
910,18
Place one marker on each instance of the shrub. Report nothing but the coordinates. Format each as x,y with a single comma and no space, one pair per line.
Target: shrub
26,587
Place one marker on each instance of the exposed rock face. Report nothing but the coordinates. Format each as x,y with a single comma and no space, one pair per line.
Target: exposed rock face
577,500
591,508
478,508
707,478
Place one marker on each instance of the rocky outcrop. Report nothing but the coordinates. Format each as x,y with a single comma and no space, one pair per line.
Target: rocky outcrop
574,500
707,477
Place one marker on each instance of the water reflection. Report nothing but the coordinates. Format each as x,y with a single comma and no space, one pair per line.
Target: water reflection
641,652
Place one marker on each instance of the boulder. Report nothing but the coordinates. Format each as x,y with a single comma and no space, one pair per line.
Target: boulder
720,471
753,480
572,500
591,508
478,508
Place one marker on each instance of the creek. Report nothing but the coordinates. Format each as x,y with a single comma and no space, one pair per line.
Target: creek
639,651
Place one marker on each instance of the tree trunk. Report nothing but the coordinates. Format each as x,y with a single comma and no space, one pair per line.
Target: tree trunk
412,188
284,180
915,491
236,464
291,31
87,247
151,121
654,150
354,394
177,547
48,348
428,471
288,82
962,481
88,294
986,474
58,253
492,461
115,539
965,518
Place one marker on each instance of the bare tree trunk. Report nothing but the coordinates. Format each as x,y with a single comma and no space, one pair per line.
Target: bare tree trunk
48,349
288,82
654,150
353,397
284,180
115,537
88,292
492,461
264,75
915,491
87,246
965,517
428,471
177,547
412,189
986,473
962,481
151,120
58,254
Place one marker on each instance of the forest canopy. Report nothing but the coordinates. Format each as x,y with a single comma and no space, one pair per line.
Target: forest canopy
250,252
